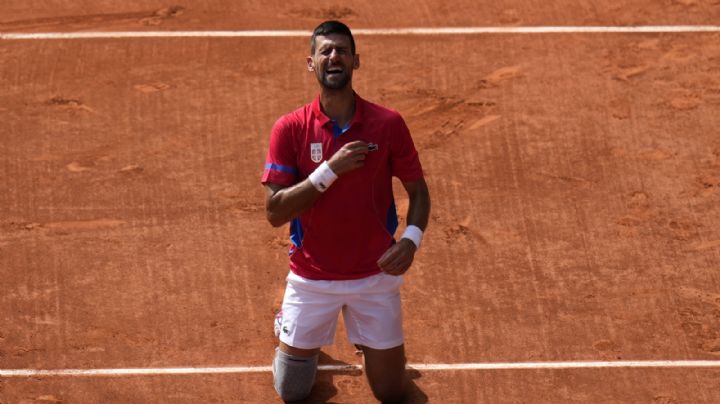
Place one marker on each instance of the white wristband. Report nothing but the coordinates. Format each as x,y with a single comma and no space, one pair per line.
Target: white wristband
322,177
414,234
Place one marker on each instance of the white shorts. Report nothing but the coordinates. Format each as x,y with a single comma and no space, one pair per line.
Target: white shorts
371,309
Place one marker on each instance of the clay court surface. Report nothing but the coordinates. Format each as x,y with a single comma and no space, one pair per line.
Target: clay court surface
575,182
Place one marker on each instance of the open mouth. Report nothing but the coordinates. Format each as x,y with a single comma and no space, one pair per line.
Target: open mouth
334,70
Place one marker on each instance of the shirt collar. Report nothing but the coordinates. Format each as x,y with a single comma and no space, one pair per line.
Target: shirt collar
324,119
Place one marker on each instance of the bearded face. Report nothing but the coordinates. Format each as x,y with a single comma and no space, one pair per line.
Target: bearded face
333,61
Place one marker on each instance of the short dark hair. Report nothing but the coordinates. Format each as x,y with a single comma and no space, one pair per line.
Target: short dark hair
332,27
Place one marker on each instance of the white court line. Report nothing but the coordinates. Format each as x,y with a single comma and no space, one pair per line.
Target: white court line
350,368
368,31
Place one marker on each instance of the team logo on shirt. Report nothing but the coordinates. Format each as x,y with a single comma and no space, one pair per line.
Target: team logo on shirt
316,152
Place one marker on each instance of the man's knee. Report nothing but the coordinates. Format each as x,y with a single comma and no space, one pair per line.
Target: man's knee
389,392
390,395
293,375
385,370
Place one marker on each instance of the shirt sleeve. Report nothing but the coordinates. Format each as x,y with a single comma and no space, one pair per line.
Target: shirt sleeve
404,157
281,163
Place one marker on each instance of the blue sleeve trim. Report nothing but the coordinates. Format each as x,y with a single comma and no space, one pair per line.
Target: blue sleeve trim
278,167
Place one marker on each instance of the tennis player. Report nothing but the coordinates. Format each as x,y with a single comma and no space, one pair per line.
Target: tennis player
329,173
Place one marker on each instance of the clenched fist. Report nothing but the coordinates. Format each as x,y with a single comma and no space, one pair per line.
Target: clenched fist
350,157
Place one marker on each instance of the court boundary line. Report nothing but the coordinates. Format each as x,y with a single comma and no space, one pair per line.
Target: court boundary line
353,368
365,31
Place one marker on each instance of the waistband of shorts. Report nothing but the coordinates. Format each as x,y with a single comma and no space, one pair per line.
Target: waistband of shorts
380,283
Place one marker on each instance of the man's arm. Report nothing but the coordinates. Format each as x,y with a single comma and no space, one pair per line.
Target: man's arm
419,209
398,258
282,204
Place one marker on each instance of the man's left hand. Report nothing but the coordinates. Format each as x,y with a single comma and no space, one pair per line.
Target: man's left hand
398,258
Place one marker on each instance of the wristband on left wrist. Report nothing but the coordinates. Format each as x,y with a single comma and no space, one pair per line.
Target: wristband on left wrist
414,234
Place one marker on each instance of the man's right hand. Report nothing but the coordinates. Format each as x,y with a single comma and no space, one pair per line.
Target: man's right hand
350,157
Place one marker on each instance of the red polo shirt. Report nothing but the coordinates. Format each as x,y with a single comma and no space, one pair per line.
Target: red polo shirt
352,224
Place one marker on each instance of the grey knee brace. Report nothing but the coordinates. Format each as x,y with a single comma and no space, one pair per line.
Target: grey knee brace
294,375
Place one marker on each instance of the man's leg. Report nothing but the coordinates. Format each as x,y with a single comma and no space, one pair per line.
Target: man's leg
294,371
308,319
373,319
385,370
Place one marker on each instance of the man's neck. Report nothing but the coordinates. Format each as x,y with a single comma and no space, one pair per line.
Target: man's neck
338,105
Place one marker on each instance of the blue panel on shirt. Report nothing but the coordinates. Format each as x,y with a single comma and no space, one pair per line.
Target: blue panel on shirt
296,234
392,219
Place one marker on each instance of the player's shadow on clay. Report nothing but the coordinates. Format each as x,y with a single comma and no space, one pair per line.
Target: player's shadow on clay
324,388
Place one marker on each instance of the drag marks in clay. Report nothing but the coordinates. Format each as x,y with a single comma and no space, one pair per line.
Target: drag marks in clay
706,245
620,109
468,115
679,54
657,154
48,399
278,243
709,184
64,227
664,400
76,167
687,3
151,87
85,225
90,164
501,75
688,95
152,18
483,121
511,16
471,112
427,108
643,217
245,206
462,232
686,102
626,73
327,13
648,64
707,181
68,104
700,315
682,230
131,168
161,15
649,154
100,160
581,183
608,349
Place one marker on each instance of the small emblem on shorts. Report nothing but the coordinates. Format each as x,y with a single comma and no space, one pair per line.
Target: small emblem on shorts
285,330
316,152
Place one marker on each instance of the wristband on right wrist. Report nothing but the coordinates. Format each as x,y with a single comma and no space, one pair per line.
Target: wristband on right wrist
322,177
